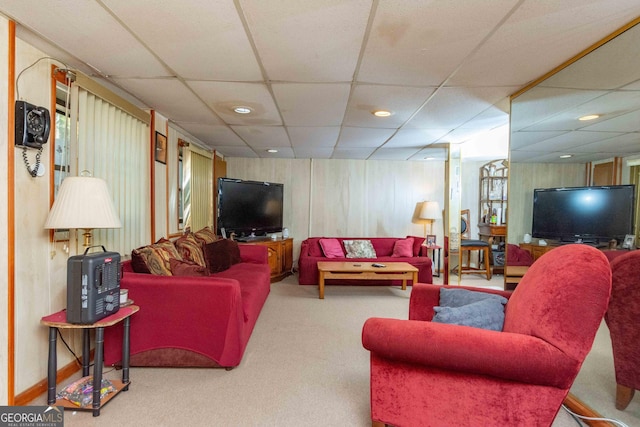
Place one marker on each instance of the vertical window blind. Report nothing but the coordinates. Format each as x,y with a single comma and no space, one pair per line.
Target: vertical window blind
198,188
114,145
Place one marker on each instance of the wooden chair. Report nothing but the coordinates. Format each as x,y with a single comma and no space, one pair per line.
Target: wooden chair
468,245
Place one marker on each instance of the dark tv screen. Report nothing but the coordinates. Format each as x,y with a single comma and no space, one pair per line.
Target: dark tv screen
249,207
583,214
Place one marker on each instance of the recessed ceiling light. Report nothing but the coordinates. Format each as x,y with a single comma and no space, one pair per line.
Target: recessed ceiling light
566,156
429,158
271,150
242,110
381,113
589,117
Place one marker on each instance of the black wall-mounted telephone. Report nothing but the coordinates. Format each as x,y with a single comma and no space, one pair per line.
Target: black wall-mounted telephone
32,125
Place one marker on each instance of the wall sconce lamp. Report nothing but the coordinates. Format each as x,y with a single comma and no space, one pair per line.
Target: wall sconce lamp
83,202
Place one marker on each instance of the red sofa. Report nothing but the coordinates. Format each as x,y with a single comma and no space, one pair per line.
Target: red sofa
311,253
193,321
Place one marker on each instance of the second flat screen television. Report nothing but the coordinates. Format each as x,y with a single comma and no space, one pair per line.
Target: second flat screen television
249,208
584,214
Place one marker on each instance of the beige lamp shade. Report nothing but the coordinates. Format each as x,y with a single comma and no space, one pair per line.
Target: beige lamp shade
430,210
83,202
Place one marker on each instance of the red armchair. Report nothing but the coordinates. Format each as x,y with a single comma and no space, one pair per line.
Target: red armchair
622,320
433,374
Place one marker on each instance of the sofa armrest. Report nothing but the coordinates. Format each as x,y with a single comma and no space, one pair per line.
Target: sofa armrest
471,350
257,254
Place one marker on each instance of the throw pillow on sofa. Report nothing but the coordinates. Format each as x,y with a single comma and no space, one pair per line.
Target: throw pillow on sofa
205,235
190,249
417,244
187,268
403,248
156,257
221,254
459,297
359,249
331,248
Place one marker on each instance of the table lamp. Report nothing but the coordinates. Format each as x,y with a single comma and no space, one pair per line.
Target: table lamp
430,212
83,202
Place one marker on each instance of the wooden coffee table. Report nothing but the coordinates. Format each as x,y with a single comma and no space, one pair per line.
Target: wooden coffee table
366,271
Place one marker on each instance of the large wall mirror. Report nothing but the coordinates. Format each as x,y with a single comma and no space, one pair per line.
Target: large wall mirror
545,125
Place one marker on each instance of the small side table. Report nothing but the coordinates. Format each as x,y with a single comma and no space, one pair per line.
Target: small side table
433,249
57,321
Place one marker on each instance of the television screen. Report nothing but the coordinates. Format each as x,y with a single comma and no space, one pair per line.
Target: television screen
583,214
249,207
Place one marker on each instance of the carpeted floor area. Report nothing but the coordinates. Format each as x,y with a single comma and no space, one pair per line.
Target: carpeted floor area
304,366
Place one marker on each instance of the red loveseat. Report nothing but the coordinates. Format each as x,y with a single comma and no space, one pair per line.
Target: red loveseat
189,321
311,253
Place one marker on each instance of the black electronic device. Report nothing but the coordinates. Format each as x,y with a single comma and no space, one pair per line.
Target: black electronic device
32,125
249,208
591,215
93,286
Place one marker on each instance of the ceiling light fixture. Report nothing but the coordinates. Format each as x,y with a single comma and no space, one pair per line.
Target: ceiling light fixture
588,117
242,110
381,113
566,156
272,150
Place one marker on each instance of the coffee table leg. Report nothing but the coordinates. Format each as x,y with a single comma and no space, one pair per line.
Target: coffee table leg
321,285
415,277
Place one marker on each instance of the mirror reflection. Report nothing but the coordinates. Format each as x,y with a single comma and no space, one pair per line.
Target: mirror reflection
580,127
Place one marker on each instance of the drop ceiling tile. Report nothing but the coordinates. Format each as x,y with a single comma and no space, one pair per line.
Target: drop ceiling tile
393,153
567,141
352,153
224,96
363,137
629,122
237,152
308,41
453,107
417,43
313,137
556,28
313,152
430,154
415,138
401,101
213,135
536,108
620,145
312,104
594,71
76,26
283,153
524,139
170,98
201,40
263,137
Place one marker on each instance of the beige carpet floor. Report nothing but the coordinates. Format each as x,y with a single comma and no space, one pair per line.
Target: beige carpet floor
304,366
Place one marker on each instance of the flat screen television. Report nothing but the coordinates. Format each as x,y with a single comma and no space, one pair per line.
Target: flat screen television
583,214
249,208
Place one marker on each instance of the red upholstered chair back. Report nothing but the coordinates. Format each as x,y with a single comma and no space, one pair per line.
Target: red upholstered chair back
622,318
544,305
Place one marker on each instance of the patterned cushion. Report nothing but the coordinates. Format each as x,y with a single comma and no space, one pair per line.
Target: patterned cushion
190,249
157,256
205,235
359,249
